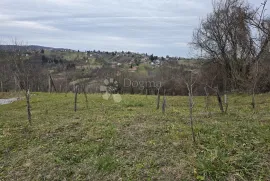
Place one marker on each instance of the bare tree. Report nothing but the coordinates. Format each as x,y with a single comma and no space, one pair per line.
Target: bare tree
234,35
22,69
190,83
28,107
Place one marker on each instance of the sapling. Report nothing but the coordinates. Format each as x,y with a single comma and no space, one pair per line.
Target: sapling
158,98
75,101
164,103
190,85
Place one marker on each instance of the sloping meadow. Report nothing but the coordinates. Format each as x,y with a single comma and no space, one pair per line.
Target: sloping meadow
131,140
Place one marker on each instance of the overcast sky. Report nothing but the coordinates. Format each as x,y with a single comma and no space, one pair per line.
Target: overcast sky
162,27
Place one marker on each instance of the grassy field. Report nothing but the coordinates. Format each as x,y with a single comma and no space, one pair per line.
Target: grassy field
132,140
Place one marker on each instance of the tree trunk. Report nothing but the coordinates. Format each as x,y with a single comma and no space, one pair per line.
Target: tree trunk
52,83
219,101
49,82
28,106
191,115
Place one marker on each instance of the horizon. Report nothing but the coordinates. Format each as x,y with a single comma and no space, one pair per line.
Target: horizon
161,27
102,51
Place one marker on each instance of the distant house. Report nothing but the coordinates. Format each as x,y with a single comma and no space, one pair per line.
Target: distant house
113,64
145,59
156,63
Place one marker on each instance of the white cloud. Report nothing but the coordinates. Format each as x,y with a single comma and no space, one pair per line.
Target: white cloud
181,44
154,26
7,21
65,2
30,25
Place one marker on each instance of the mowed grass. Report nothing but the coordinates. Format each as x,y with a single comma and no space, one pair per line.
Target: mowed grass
132,140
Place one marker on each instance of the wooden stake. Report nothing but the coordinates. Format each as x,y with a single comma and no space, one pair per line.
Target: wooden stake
53,84
49,81
219,101
158,99
75,101
28,106
190,114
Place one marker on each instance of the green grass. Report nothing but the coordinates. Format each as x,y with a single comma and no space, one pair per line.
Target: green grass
69,56
132,140
142,70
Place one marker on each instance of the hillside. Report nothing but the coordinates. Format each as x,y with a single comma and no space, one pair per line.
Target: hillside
69,67
29,48
132,140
